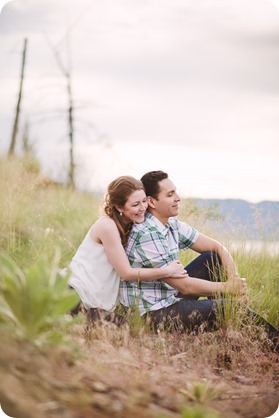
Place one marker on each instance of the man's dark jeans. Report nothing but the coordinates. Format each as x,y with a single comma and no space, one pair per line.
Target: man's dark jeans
189,312
192,314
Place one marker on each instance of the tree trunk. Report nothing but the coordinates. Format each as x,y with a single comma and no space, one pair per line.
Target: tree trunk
15,128
71,181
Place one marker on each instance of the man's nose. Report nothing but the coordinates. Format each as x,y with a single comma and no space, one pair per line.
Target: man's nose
177,197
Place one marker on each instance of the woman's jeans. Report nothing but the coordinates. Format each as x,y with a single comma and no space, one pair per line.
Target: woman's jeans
193,314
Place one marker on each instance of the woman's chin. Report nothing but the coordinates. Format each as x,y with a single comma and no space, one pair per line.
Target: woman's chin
139,219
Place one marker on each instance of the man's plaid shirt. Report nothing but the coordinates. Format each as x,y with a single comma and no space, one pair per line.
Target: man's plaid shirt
152,244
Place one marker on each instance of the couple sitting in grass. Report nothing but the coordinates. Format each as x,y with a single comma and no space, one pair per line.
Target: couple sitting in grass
131,256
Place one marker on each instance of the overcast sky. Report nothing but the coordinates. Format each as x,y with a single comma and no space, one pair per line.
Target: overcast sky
190,87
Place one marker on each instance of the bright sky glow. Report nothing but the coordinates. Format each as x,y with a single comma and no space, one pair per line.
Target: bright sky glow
188,87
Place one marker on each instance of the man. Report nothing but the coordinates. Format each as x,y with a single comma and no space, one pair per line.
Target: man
156,242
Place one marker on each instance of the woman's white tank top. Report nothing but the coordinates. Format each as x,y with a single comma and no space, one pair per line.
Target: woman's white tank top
93,277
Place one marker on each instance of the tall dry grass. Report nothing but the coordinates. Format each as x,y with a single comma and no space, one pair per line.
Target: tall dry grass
126,371
38,215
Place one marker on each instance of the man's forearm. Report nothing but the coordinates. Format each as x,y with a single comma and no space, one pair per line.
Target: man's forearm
196,287
227,261
199,287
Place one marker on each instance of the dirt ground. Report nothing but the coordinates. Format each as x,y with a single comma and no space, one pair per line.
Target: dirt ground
111,373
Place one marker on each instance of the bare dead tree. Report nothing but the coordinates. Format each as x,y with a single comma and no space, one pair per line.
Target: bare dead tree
66,71
70,111
71,133
17,114
27,147
67,74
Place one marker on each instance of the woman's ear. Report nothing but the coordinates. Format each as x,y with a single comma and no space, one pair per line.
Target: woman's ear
119,209
150,201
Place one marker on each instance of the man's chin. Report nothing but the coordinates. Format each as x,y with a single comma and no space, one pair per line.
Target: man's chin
175,212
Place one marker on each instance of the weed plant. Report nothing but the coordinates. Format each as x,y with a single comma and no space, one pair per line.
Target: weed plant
34,303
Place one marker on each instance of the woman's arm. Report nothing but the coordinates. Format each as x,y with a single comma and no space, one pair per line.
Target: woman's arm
105,232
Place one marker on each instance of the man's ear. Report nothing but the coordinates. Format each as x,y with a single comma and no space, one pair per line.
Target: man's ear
150,201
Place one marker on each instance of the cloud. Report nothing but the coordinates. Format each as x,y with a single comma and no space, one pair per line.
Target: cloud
162,72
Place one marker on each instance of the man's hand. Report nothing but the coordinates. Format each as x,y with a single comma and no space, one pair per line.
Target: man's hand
235,285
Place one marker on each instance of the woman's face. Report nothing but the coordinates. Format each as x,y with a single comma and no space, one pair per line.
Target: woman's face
135,207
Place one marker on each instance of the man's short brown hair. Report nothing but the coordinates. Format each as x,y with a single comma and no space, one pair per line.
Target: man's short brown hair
151,181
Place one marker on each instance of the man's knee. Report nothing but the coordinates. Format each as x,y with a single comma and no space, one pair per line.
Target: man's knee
211,258
214,265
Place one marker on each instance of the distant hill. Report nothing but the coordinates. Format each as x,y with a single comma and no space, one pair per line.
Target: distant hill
256,221
236,217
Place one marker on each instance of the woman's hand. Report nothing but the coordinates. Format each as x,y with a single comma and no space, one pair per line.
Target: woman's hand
175,270
236,285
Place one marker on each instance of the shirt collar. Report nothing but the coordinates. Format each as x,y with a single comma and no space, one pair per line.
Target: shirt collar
164,229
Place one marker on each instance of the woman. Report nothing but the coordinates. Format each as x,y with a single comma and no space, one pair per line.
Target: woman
101,262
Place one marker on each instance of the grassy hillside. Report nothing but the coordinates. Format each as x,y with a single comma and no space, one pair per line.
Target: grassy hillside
38,215
106,371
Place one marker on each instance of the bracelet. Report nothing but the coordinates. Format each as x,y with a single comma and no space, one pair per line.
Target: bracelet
139,275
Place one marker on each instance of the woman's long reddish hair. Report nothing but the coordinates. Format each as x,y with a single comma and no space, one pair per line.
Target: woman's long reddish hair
117,194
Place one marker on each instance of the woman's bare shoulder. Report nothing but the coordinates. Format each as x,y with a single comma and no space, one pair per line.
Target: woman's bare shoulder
105,223
102,228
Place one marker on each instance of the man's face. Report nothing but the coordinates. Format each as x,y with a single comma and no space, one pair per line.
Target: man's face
167,203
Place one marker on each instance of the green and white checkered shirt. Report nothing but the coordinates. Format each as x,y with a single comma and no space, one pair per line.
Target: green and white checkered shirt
152,244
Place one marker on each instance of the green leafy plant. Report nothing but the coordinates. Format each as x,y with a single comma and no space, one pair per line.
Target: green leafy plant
34,302
199,412
200,392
